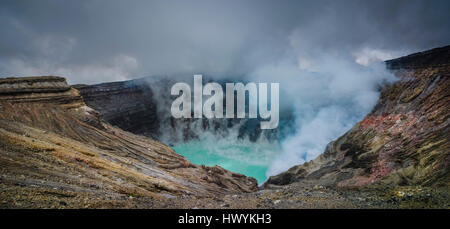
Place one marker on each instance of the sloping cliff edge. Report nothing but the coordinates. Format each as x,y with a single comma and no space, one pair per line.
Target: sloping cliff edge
55,151
403,141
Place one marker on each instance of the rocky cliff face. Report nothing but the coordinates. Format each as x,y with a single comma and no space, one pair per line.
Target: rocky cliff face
44,89
403,141
142,106
55,151
128,105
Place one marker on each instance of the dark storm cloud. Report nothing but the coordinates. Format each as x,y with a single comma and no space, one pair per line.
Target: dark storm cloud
94,41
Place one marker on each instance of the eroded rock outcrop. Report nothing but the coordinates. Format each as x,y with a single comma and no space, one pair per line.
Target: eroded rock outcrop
142,106
54,147
403,141
42,89
128,105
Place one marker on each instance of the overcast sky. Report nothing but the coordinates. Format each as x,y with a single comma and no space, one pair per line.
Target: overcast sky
97,41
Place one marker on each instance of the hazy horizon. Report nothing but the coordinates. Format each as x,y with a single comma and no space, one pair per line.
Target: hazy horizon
101,41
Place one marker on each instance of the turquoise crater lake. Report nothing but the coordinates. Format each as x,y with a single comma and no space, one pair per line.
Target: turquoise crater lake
248,158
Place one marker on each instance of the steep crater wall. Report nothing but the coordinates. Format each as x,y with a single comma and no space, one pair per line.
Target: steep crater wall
142,106
54,149
403,141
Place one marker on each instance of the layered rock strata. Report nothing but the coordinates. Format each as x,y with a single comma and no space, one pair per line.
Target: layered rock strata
55,148
403,141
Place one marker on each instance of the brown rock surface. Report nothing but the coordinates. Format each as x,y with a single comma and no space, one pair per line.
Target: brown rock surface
55,150
44,89
403,141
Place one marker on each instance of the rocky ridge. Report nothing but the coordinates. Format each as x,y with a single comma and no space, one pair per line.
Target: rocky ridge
42,89
403,141
56,151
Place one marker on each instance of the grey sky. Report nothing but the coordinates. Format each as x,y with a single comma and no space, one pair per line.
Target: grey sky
97,41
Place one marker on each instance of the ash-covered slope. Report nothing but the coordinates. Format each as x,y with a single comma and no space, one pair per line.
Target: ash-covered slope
56,152
403,141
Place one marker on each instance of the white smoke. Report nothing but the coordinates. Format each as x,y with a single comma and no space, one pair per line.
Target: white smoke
328,99
328,81
329,95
